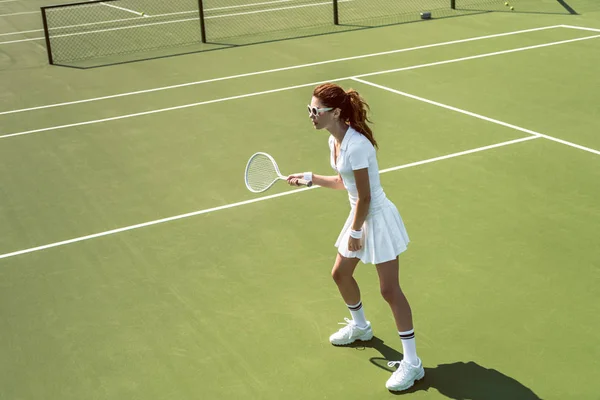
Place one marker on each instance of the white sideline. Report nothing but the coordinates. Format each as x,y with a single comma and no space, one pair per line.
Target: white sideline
241,203
287,88
269,71
533,135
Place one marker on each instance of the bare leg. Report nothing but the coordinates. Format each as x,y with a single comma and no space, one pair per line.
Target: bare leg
410,369
389,285
342,272
359,328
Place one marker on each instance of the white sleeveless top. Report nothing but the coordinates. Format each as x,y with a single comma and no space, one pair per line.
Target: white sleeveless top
357,152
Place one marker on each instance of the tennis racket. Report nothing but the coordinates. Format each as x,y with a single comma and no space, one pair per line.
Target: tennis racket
262,172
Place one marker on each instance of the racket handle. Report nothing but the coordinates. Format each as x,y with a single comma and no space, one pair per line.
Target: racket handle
304,182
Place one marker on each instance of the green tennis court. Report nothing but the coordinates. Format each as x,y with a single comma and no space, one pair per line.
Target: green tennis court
135,264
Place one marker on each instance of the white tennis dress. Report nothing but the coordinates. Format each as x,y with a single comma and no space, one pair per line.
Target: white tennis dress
384,234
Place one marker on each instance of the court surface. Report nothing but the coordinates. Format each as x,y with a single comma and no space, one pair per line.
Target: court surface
135,264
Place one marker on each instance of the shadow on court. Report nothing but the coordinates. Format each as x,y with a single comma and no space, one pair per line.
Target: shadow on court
458,380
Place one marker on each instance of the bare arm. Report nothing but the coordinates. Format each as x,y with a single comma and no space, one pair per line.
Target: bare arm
331,182
363,186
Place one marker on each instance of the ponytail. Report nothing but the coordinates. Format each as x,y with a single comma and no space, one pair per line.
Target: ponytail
353,107
356,115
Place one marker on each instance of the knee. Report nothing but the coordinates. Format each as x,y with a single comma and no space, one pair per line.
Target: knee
338,276
390,293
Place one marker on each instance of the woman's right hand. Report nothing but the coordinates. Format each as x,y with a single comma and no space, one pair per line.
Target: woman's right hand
292,180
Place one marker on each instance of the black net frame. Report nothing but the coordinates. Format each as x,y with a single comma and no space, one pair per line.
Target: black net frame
106,32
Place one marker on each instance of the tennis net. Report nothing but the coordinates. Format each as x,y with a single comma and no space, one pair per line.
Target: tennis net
101,32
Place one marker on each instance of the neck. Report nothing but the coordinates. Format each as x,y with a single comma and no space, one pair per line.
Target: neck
338,131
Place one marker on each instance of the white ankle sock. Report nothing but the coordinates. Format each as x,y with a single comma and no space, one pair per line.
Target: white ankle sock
409,347
358,314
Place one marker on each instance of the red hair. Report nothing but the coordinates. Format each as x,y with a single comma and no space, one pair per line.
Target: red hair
353,107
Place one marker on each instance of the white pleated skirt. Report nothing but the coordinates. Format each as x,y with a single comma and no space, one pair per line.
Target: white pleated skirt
384,235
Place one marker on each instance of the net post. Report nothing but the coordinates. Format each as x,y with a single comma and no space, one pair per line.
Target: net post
202,27
453,4
47,36
336,19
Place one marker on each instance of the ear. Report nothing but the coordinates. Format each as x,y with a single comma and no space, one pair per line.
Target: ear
337,112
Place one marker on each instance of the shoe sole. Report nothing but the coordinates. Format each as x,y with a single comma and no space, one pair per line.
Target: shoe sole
364,338
417,378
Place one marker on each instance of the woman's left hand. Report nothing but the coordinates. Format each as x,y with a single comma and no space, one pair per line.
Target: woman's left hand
354,244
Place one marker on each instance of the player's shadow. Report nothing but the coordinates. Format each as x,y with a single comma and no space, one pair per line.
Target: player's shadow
458,380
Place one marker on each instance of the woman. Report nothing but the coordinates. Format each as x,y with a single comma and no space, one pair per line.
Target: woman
374,232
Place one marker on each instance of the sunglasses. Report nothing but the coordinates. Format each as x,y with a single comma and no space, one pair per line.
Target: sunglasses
314,111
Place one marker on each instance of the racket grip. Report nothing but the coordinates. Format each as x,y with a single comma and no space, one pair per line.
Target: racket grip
304,182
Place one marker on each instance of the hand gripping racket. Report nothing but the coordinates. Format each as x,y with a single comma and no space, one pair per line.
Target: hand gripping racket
262,172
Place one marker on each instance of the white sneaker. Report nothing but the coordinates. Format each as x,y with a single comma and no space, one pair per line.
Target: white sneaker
351,333
405,376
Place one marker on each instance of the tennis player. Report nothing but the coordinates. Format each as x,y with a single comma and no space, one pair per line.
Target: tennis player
374,232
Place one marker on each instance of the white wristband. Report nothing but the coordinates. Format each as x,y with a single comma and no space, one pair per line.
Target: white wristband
308,176
356,234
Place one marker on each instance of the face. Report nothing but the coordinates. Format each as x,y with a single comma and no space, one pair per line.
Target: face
325,116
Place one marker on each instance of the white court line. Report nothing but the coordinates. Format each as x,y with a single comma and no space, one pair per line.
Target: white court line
21,13
495,121
246,5
327,3
282,89
21,40
460,153
166,109
20,32
156,23
190,12
7,1
149,16
269,71
122,9
583,28
435,103
537,46
242,203
135,19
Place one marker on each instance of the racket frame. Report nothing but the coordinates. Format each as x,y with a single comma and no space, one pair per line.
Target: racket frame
302,182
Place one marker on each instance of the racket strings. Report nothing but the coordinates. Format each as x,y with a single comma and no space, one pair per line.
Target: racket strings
261,173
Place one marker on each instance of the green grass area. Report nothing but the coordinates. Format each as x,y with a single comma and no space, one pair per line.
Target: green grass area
502,270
